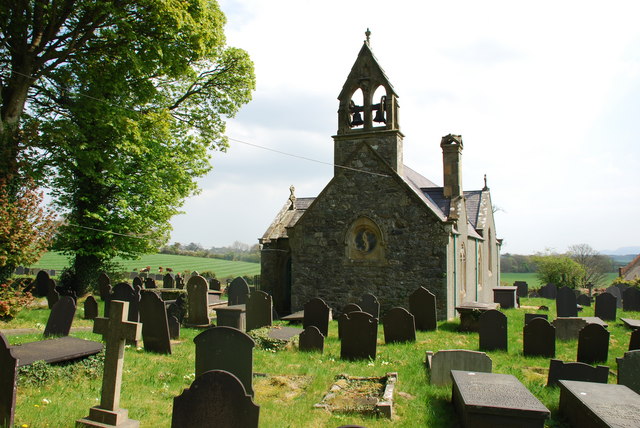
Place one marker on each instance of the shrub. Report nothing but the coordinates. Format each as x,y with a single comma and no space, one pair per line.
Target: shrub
12,300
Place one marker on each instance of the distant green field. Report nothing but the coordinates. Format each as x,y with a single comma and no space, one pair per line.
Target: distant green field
222,268
532,278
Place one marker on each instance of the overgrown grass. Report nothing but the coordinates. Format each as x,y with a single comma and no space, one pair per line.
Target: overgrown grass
150,381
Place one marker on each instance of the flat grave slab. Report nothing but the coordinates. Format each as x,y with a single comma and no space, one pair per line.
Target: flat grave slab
284,333
492,399
588,404
364,395
55,350
296,317
631,323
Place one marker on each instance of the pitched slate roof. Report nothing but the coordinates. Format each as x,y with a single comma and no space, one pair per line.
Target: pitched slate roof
287,217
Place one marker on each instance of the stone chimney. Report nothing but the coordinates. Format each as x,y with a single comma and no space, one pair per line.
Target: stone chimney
451,154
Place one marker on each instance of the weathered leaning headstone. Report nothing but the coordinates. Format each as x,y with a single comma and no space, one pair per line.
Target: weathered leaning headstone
115,331
359,335
606,306
311,340
539,339
155,326
631,299
238,291
215,398
369,304
52,294
575,371
399,326
422,304
8,383
61,317
593,344
629,370
566,305
493,331
259,310
90,308
226,348
42,284
198,313
317,313
442,362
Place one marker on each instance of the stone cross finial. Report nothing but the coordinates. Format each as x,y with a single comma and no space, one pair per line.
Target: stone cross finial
368,34
292,198
485,183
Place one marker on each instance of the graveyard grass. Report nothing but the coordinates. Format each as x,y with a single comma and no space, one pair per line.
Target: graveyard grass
56,396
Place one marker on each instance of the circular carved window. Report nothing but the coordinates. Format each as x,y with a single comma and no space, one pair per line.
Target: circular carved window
365,239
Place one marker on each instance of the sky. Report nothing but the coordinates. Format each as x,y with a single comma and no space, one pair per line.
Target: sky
546,96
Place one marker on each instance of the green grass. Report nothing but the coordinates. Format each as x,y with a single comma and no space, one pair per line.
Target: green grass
507,278
151,381
222,268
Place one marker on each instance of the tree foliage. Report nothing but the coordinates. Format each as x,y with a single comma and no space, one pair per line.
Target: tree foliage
559,269
596,266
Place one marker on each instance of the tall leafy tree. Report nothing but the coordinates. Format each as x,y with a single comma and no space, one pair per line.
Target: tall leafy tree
596,266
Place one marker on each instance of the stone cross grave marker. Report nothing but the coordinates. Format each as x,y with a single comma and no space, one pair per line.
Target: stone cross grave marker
493,331
539,339
522,287
566,305
317,313
631,299
90,308
115,331
8,383
155,326
369,304
359,336
618,295
198,313
442,362
259,310
629,370
593,344
583,300
575,371
226,348
168,281
215,398
61,317
311,340
422,304
399,326
606,306
238,291
634,341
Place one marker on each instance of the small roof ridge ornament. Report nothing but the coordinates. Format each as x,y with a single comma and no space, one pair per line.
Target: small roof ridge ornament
368,35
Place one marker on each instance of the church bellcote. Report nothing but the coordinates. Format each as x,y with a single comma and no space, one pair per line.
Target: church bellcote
368,111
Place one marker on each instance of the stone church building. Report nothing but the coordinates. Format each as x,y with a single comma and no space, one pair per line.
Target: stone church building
378,226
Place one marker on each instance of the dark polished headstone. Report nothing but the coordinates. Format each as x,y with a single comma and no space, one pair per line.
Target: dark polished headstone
259,310
168,281
442,362
566,305
575,371
629,370
155,326
317,313
589,404
150,283
359,335
422,304
138,282
523,288
399,326
197,297
631,299
606,306
634,340
539,339
90,308
593,344
174,327
369,304
238,291
529,317
549,291
61,317
8,383
311,339
226,348
126,293
583,300
485,400
617,293
506,297
493,331
215,398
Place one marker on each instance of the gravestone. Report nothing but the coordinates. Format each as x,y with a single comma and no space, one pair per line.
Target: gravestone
629,370
522,287
493,331
179,281
593,344
215,398
104,286
174,327
583,300
399,326
549,291
198,312
126,293
506,297
568,328
442,362
90,308
137,282
529,317
347,309
61,317
8,383
226,348
238,291
566,305
618,295
317,313
311,340
150,283
178,308
495,400
369,304
634,341
159,277
539,339
115,330
589,404
42,284
214,285
259,310
621,287
155,326
168,281
422,304
575,371
52,294
631,299
359,335
631,323
606,306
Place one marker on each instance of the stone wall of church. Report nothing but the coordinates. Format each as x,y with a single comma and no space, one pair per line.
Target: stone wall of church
410,251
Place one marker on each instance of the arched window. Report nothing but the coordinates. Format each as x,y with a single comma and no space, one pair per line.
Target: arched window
463,269
356,109
364,241
490,249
